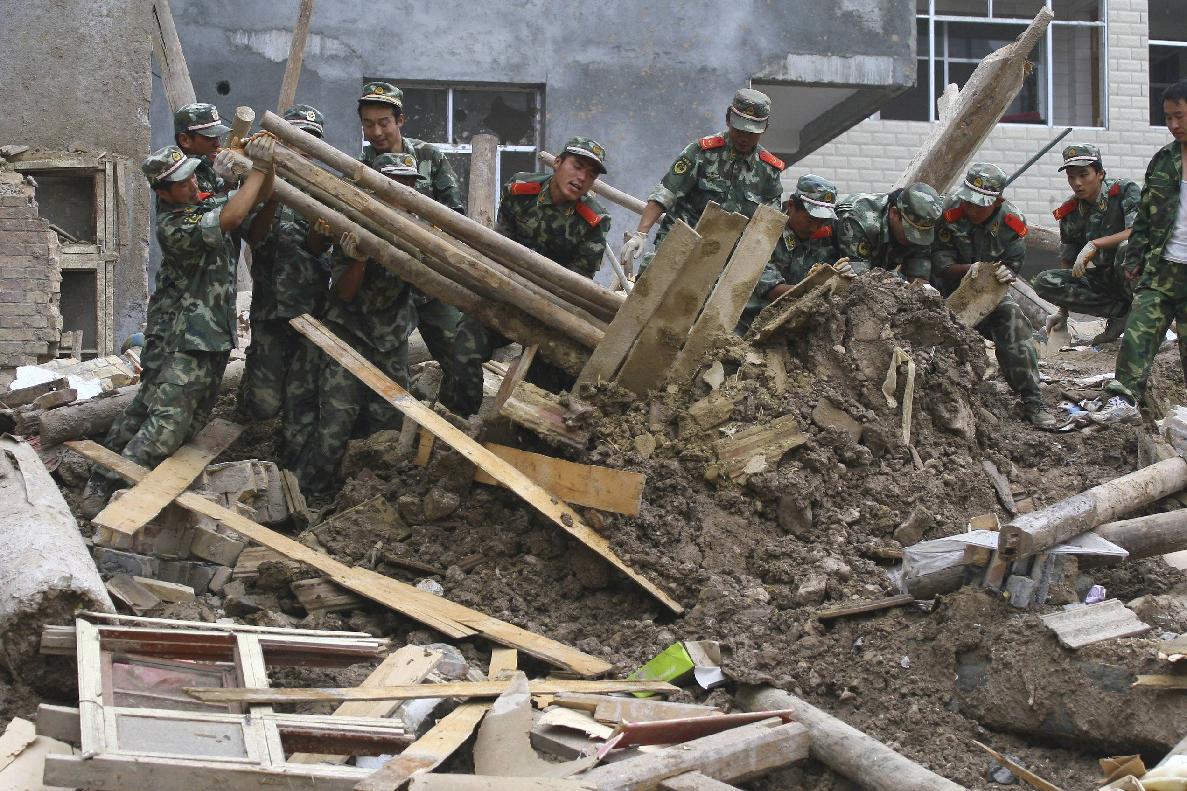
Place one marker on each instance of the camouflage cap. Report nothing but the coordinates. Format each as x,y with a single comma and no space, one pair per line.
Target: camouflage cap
750,110
199,119
1079,155
589,148
382,93
819,196
920,207
307,117
396,165
168,164
982,185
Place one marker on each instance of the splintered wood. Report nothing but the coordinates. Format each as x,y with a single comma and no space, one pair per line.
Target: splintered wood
756,449
792,309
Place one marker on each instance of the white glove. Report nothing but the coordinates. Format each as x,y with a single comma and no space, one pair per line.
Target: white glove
844,268
631,249
1056,320
973,270
1003,274
1084,260
350,246
228,165
260,148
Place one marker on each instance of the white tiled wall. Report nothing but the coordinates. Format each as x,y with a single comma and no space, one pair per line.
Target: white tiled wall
870,156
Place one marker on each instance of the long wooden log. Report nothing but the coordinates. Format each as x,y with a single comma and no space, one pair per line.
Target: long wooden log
1147,536
966,121
484,156
612,194
302,173
292,69
527,262
175,74
1039,530
846,750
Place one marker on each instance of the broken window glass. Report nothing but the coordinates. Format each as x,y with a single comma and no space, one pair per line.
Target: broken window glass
508,115
425,109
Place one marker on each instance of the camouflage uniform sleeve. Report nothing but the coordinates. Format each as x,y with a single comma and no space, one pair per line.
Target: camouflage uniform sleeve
587,258
504,222
445,187
917,263
770,277
680,178
1131,196
943,251
1068,238
1139,240
853,244
1015,254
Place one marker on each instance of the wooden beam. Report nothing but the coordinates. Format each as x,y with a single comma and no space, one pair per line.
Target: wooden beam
114,771
678,731
695,781
724,306
292,69
644,300
452,689
447,617
442,740
558,512
604,488
768,441
858,608
175,74
131,512
484,186
663,336
515,374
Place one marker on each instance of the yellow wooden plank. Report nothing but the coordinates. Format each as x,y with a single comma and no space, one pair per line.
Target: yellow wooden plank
603,488
449,618
170,478
449,689
548,505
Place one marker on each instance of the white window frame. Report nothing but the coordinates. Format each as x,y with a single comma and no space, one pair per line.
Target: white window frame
932,18
1162,43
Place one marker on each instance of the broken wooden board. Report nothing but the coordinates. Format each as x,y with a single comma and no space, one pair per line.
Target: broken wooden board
442,740
319,596
724,306
410,664
450,689
170,478
534,408
1083,626
757,448
515,374
635,734
604,488
616,709
27,395
447,617
770,320
548,505
858,608
978,295
1018,770
661,338
642,303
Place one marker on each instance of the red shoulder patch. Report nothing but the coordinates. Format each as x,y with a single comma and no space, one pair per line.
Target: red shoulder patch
711,142
771,159
824,232
204,195
1067,208
1017,224
526,187
588,214
1115,190
954,214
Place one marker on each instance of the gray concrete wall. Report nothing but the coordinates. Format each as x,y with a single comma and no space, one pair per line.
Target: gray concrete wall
643,77
75,75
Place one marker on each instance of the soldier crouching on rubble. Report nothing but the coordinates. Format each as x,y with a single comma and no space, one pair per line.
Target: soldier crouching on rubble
891,231
194,310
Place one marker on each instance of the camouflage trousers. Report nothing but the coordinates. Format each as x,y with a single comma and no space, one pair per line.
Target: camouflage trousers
461,384
1101,292
1017,355
480,342
173,403
1160,298
341,407
266,368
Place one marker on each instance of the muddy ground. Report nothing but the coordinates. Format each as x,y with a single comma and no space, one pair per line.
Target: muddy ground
753,556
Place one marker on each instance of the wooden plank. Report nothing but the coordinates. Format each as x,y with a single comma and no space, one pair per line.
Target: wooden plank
557,511
614,709
604,488
437,612
677,731
424,449
320,595
694,781
88,655
175,75
767,319
1083,626
662,337
59,722
451,689
115,772
793,310
410,664
443,739
1031,779
734,756
645,298
27,395
732,292
865,606
515,374
768,442
229,627
292,69
1161,682
131,512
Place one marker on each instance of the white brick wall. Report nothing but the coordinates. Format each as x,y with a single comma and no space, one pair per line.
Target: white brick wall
870,156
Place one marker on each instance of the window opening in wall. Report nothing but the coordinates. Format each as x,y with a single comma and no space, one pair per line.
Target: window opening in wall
79,306
1065,86
448,116
68,201
1168,52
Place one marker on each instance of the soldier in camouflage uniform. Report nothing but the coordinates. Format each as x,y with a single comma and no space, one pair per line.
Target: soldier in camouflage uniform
729,168
980,228
194,310
807,240
892,231
290,275
553,214
381,112
198,132
1093,227
1157,262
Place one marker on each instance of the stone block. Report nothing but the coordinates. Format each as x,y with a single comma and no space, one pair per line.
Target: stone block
166,591
217,548
112,561
1021,590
